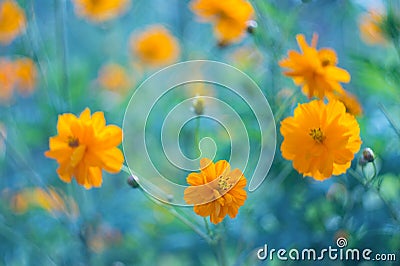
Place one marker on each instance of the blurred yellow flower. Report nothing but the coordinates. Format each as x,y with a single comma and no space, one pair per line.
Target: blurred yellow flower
25,75
100,10
315,70
20,74
7,79
351,103
155,47
114,77
229,17
370,26
84,146
321,139
216,191
12,21
49,200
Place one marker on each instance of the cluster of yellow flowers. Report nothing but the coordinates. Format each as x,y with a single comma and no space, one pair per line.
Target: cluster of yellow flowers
321,139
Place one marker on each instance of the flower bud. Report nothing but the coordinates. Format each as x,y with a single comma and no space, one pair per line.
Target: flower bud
133,181
198,105
368,155
251,26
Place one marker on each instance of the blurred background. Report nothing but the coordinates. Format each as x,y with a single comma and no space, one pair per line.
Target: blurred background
84,61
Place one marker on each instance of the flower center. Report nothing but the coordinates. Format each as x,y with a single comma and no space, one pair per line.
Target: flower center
73,142
223,183
317,135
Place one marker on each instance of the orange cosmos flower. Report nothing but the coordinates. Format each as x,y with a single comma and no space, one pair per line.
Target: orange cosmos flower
25,73
84,146
321,139
100,10
7,79
370,26
12,21
156,46
113,77
216,191
315,70
229,17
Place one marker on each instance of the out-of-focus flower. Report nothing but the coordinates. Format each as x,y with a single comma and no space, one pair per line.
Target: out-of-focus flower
216,191
12,21
351,103
315,70
370,26
49,200
100,10
25,75
20,74
230,17
7,79
246,58
155,47
19,203
84,146
321,139
102,237
114,77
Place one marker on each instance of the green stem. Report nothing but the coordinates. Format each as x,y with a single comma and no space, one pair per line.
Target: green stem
391,122
183,219
62,43
220,252
172,210
392,211
197,137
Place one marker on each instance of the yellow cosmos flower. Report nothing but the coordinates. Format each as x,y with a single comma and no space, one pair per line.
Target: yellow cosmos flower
229,17
113,77
100,10
84,146
315,70
155,47
12,21
216,191
321,139
370,26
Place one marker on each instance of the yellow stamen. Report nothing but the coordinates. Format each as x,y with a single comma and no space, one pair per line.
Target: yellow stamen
223,183
73,142
317,135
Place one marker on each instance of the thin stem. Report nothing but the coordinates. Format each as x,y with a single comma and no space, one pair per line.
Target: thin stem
391,122
392,211
209,232
220,252
183,219
197,136
62,43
